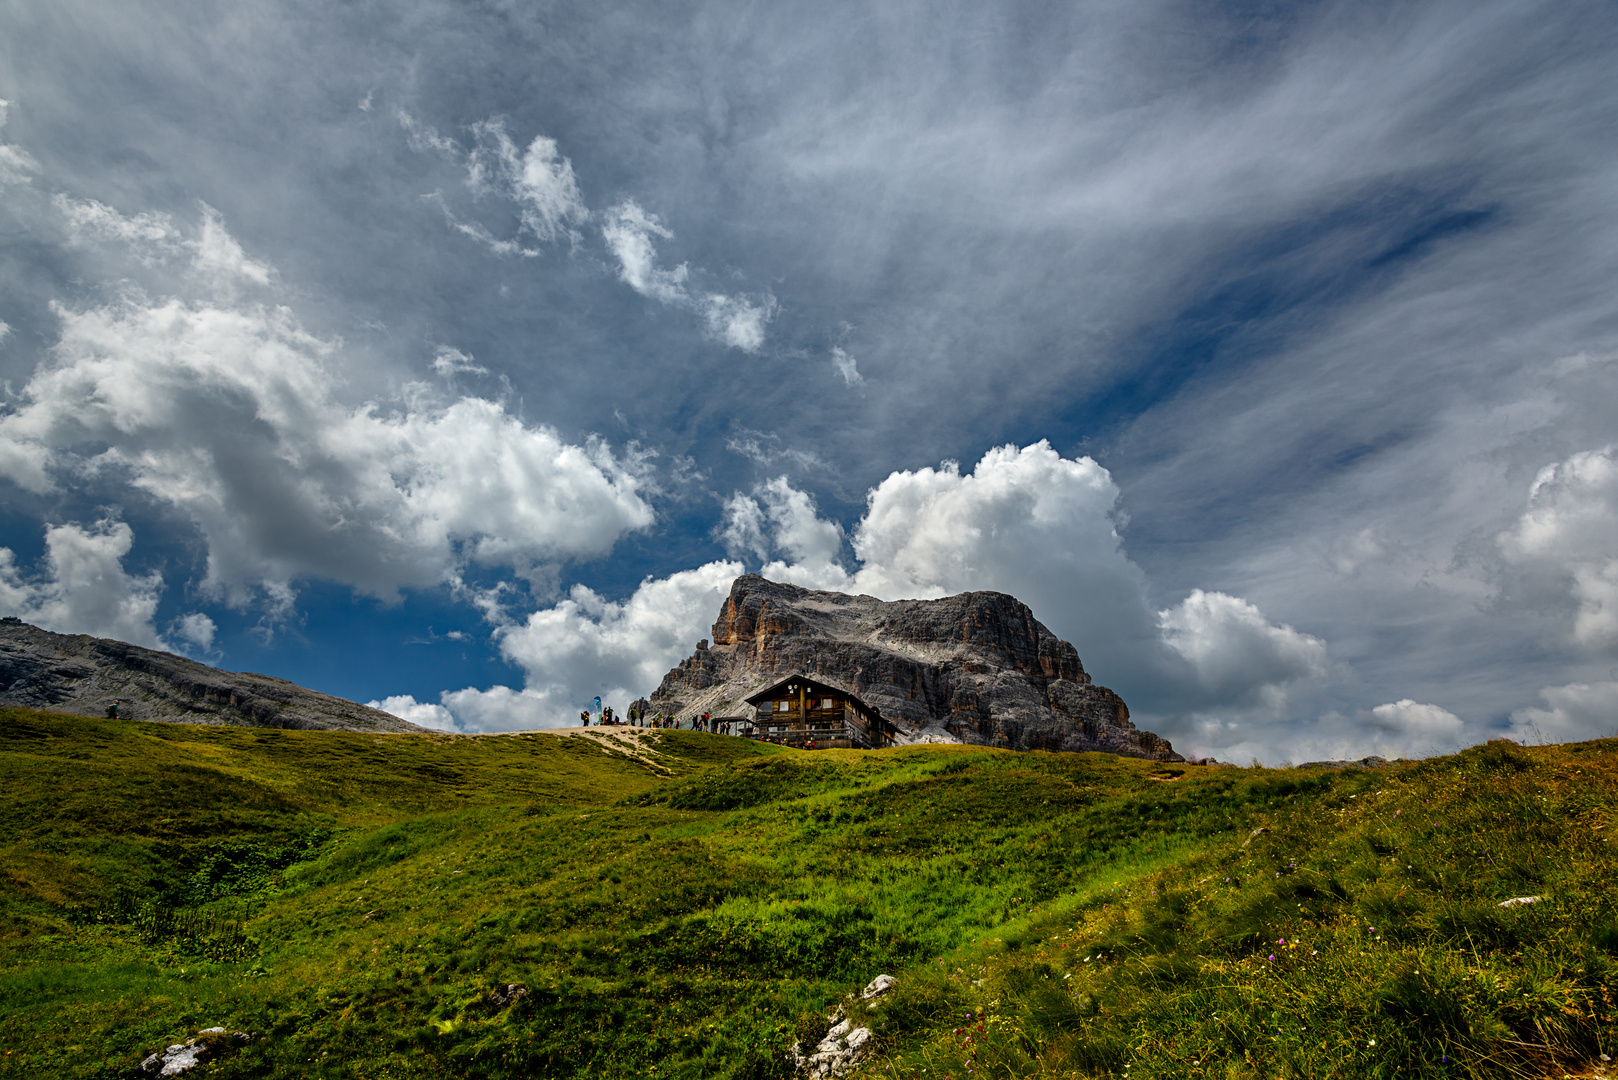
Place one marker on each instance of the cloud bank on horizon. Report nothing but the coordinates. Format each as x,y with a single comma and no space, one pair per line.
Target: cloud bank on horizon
1272,361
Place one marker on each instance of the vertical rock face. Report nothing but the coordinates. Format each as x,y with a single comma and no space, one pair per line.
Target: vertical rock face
976,668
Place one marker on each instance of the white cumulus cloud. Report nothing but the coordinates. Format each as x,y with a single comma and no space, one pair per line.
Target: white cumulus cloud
1239,657
231,416
421,713
582,648
1571,713
587,645
1566,542
1398,729
83,588
779,517
1030,522
1407,717
196,629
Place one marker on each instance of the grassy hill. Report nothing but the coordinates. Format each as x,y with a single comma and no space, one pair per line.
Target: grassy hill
691,908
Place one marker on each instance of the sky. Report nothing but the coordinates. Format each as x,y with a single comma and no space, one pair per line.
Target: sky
456,356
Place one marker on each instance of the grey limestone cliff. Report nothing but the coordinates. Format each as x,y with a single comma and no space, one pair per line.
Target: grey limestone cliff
975,668
75,673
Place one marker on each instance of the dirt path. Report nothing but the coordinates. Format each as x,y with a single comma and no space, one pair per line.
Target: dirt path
638,743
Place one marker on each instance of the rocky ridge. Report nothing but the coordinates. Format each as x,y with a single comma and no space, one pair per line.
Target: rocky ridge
76,673
974,668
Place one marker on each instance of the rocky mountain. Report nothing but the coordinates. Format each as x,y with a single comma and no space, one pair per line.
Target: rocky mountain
86,675
975,668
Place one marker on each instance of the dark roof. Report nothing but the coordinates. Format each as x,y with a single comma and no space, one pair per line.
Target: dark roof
814,685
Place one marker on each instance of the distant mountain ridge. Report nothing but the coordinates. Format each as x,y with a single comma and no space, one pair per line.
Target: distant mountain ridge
76,673
975,668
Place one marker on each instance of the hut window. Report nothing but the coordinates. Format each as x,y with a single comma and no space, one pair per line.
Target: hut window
782,706
825,703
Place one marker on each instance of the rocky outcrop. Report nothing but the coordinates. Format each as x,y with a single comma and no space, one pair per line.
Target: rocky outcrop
844,1046
975,668
208,1045
75,673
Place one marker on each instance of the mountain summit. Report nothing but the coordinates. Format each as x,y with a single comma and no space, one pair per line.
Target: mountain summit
76,673
974,668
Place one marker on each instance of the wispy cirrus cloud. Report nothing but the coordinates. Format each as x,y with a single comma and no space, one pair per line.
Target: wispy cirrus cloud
536,181
16,164
541,184
631,234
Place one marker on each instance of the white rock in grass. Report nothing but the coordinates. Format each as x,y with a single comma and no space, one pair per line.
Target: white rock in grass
844,1046
208,1044
1520,901
878,986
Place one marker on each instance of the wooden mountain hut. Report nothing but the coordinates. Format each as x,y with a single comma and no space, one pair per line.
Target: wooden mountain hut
798,710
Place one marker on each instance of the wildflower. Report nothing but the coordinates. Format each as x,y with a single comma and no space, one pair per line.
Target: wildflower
1373,1042
1272,956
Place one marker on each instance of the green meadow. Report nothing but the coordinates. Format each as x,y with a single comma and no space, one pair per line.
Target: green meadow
689,905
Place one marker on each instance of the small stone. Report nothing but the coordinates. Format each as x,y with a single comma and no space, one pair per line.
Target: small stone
506,995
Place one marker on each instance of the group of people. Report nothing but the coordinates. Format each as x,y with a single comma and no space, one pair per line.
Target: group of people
638,718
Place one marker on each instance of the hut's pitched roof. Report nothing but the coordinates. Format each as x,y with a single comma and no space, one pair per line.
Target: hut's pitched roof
816,687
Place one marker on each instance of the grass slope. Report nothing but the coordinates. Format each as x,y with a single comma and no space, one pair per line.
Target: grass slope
353,899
